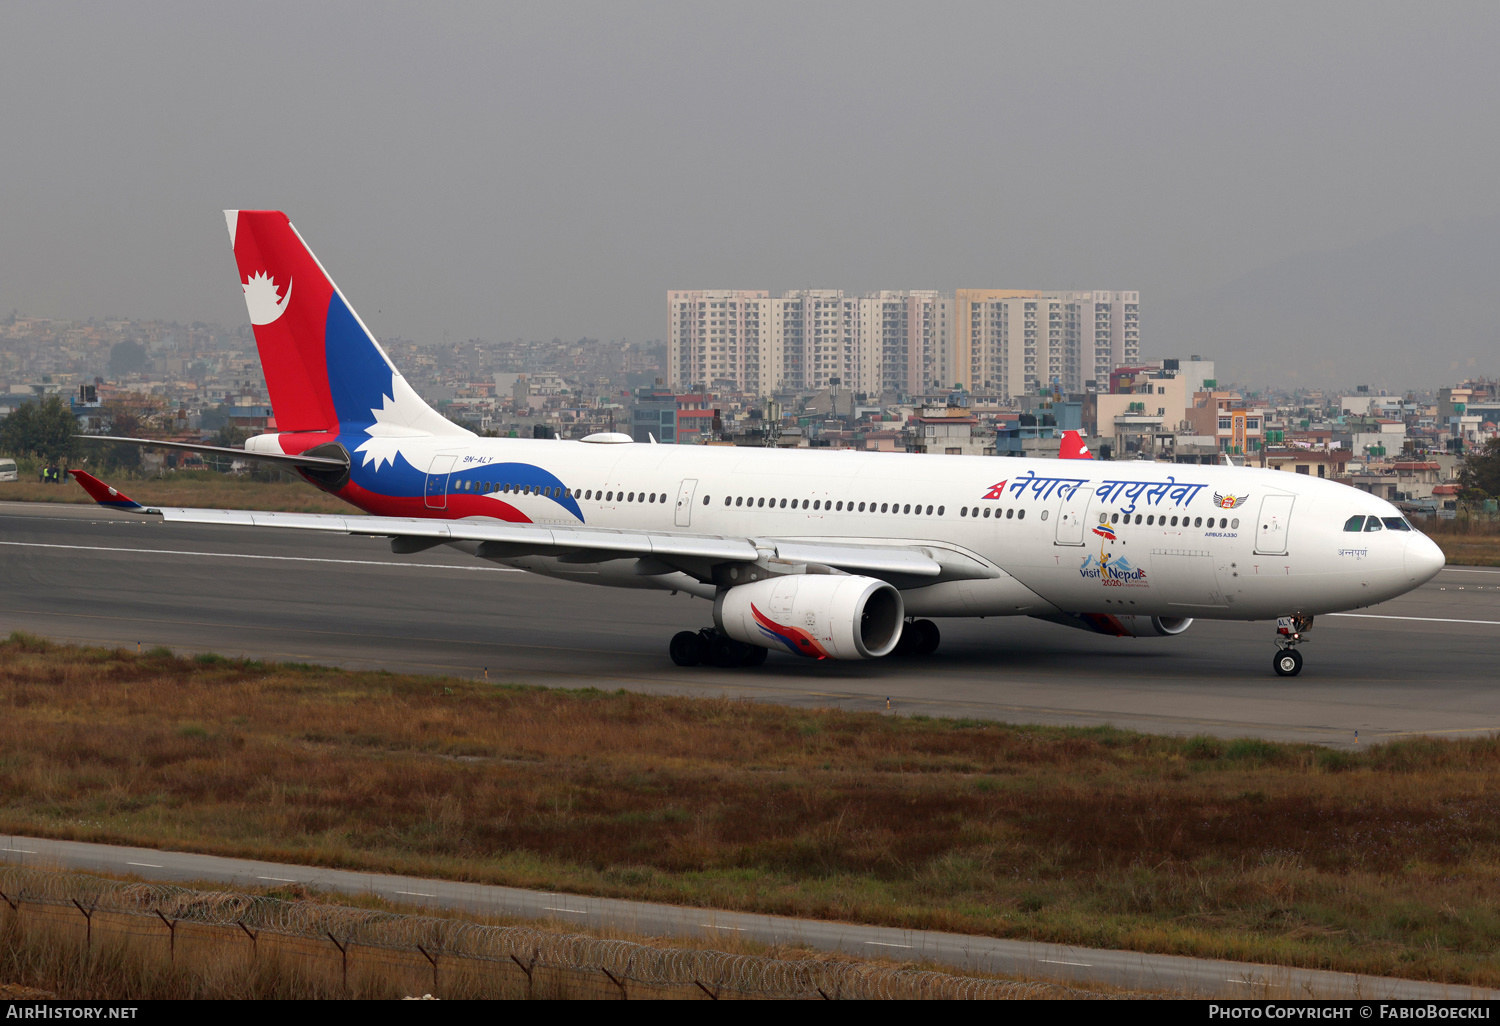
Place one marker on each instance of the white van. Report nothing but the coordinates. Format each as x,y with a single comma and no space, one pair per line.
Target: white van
8,470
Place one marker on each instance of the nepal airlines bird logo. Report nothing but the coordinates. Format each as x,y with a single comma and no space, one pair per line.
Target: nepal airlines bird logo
1229,501
262,300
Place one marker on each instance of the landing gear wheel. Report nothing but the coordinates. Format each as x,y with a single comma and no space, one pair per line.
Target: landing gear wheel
726,653
1288,662
907,644
927,637
754,657
686,648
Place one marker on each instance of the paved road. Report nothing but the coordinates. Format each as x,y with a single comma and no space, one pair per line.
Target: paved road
1423,663
1078,966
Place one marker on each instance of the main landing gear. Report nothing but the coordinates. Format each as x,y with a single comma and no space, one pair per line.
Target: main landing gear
1289,634
918,637
691,648
710,647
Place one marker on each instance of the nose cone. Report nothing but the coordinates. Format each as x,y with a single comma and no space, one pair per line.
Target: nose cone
1423,558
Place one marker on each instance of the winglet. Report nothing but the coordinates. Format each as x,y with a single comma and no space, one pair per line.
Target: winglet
105,495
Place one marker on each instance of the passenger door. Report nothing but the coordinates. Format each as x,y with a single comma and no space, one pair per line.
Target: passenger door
1072,513
1272,527
437,481
685,502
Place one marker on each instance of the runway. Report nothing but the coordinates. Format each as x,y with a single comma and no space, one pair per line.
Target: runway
1423,663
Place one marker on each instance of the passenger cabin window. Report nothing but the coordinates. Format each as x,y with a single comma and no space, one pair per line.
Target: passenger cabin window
1354,524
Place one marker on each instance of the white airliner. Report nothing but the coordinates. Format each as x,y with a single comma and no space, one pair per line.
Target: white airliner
825,554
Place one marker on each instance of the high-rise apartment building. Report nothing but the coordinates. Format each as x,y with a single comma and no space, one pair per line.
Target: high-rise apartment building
717,338
1110,323
1010,342
814,338
744,340
903,342
1018,342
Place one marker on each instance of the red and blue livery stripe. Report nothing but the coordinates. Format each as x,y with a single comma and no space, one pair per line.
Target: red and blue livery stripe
798,642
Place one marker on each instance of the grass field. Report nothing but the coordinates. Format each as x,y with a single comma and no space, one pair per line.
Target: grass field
1385,861
1467,541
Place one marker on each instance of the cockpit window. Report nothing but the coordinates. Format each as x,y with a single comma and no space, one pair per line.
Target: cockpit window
1373,524
1354,524
1395,523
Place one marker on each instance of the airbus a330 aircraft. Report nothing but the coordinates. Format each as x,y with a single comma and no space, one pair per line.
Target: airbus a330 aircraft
825,554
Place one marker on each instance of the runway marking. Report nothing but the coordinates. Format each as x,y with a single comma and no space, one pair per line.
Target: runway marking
23,851
247,555
715,926
418,894
148,865
1454,730
883,944
1466,570
573,911
1423,619
1058,961
278,879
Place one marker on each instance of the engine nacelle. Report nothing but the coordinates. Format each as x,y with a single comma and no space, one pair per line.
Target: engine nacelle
824,616
1123,626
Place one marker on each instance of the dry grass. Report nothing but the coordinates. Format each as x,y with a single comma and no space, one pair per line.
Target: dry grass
51,952
190,488
1466,541
1385,861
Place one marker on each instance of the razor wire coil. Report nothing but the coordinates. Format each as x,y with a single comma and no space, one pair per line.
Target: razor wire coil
526,946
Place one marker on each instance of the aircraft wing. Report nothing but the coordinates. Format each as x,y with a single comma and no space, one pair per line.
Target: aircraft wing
694,553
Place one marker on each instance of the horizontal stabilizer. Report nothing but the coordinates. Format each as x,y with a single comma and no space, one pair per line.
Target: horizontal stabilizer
324,462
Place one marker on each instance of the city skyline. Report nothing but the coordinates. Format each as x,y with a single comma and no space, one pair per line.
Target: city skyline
1291,201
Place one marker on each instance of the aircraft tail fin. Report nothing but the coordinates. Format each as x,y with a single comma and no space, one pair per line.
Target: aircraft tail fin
1073,447
324,369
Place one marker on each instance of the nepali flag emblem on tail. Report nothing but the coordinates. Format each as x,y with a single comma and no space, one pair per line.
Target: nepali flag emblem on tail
1105,531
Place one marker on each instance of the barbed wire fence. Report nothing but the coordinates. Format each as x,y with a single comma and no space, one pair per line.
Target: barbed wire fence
452,956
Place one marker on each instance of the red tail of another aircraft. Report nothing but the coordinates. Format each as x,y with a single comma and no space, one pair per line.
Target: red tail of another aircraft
1072,447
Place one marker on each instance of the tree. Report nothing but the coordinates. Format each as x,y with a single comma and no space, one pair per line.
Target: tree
44,429
1482,469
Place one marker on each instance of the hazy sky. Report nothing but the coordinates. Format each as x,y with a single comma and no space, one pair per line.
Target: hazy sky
539,170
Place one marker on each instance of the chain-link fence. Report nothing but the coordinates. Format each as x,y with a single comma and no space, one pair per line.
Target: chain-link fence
457,956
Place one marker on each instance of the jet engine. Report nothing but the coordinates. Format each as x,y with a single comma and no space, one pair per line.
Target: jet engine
1123,626
824,616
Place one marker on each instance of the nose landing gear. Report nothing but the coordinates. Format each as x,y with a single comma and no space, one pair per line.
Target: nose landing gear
1289,634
